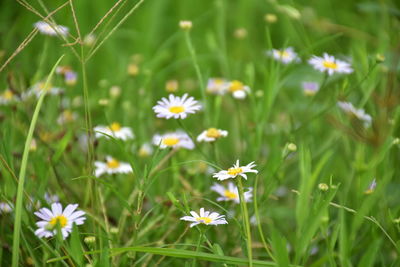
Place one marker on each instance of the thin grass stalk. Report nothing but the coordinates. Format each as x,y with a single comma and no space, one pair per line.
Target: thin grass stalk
246,221
22,173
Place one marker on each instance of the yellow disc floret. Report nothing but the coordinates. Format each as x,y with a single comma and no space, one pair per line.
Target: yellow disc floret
61,219
330,65
177,109
113,163
115,127
234,171
170,141
213,133
205,220
236,86
230,194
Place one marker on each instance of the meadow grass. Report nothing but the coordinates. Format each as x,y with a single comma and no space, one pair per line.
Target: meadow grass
323,191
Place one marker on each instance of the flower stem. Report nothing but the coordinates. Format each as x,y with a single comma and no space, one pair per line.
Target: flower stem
246,221
198,246
198,73
22,172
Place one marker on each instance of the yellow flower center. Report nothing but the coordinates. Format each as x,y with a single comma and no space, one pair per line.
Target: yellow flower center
230,194
330,65
234,171
213,133
236,86
219,81
8,94
283,54
177,109
61,219
115,127
206,220
113,163
170,141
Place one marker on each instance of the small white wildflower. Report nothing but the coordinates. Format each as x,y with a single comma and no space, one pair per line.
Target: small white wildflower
51,30
115,130
185,24
238,89
111,166
330,65
217,86
211,135
177,139
57,216
8,96
205,217
145,150
235,171
5,207
176,107
310,88
360,114
285,56
231,193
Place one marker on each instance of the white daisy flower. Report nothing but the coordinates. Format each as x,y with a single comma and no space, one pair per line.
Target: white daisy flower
50,199
238,89
177,139
205,217
217,86
231,193
235,171
285,56
111,166
329,64
65,219
38,88
115,130
8,96
360,114
310,88
176,107
51,30
211,135
5,207
145,150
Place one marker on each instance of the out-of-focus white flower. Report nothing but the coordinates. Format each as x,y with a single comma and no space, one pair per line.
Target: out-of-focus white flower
89,39
211,135
185,24
38,88
8,96
51,30
238,89
205,217
235,171
285,56
176,107
310,88
115,130
330,65
360,114
177,139
145,150
57,216
217,86
5,207
111,166
231,193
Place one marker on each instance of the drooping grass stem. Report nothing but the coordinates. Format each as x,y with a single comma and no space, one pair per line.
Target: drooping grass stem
22,172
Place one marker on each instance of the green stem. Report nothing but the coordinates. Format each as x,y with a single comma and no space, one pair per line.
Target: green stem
198,73
198,246
246,221
22,172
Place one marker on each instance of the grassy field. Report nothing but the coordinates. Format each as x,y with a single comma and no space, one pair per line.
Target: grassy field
96,171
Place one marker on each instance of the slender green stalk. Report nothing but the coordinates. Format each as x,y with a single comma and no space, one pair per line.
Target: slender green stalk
198,73
22,172
246,221
198,245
